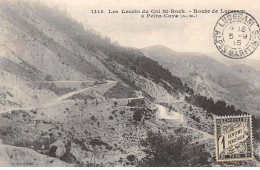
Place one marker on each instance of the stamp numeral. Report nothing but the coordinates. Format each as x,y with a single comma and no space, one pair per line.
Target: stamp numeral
223,142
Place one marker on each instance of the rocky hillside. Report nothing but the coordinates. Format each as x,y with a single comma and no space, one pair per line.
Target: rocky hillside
238,85
70,97
18,156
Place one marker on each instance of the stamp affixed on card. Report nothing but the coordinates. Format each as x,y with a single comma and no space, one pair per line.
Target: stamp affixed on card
236,35
233,138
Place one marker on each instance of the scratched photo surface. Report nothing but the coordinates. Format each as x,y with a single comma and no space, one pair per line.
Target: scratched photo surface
131,83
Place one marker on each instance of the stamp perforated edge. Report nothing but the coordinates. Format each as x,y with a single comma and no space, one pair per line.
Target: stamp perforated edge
251,137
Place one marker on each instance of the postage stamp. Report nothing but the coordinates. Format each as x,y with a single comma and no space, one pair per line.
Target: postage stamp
233,138
236,35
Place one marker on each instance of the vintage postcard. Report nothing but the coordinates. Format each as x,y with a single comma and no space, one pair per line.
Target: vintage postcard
129,83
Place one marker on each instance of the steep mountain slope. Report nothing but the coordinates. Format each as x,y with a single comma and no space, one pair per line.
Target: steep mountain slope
238,85
253,63
68,93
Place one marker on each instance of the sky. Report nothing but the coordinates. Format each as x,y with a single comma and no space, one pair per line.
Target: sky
182,35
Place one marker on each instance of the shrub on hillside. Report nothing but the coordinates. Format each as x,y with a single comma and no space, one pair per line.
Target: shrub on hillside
165,151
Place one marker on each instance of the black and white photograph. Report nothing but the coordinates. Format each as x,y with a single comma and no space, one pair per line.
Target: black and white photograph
129,83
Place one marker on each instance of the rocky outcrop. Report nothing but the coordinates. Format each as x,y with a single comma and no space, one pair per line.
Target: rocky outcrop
57,149
18,156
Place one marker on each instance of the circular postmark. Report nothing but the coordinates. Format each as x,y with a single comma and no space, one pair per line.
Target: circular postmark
236,35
